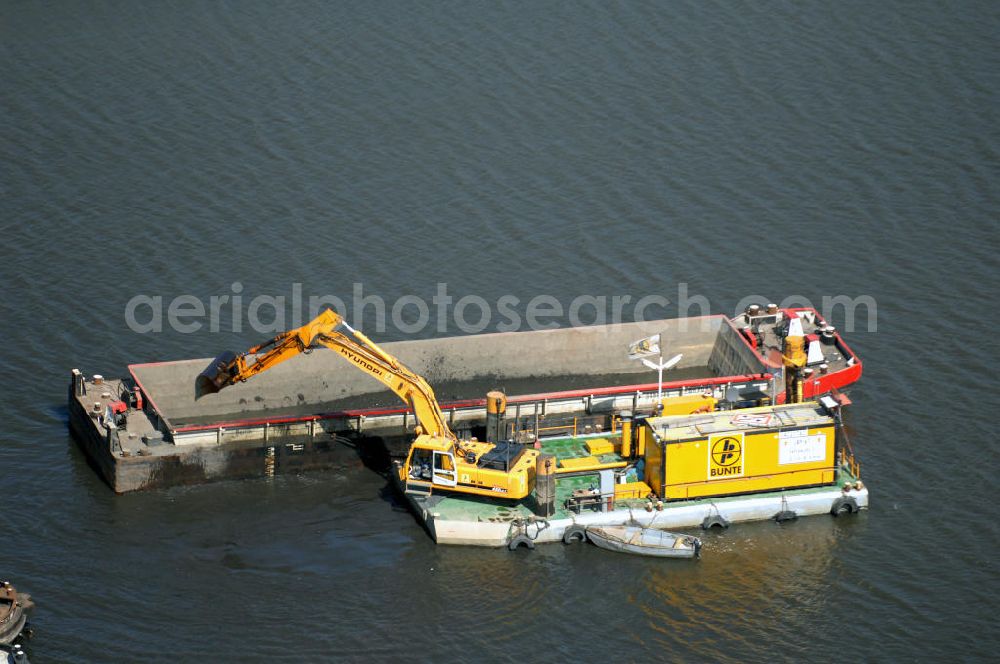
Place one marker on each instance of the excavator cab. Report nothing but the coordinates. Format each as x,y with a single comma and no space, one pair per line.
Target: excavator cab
420,465
431,462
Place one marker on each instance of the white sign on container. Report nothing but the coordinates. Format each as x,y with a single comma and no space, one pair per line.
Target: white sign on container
800,447
752,419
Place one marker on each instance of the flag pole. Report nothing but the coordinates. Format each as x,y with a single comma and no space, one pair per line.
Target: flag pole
659,386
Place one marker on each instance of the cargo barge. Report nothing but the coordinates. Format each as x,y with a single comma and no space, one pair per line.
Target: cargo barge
148,430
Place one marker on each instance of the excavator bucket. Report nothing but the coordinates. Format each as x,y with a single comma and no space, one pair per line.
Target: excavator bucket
216,375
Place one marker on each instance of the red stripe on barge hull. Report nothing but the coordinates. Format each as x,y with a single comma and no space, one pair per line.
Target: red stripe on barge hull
476,403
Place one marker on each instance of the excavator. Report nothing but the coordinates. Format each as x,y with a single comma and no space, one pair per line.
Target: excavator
437,459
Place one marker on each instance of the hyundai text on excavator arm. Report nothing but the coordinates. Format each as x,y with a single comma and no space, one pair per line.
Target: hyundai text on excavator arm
437,459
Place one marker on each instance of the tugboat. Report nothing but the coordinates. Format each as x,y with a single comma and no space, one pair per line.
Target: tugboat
14,610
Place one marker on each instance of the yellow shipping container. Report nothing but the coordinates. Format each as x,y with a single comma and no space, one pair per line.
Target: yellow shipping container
740,451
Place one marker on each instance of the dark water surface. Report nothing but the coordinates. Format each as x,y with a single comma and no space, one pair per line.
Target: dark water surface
773,148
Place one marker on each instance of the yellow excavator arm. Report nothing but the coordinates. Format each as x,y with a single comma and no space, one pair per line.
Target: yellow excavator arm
437,459
331,330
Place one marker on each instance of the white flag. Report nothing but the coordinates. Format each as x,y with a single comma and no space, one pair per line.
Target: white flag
644,347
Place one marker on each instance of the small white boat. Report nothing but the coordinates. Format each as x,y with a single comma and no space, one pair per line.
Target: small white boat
644,541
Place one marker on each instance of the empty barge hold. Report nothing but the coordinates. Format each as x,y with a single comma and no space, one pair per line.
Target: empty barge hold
147,430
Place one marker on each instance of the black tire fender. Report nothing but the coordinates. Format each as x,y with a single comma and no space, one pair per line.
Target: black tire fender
714,521
575,533
519,541
844,505
786,515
